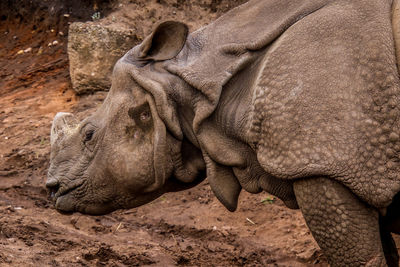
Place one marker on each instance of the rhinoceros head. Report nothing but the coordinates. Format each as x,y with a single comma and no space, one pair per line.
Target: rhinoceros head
126,153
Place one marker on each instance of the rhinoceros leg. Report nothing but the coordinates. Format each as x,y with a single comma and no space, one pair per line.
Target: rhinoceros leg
346,229
389,248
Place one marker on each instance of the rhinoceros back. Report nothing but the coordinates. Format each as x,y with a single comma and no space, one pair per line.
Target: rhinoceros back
326,102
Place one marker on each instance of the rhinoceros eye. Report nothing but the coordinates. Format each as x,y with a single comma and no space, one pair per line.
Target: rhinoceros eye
88,135
145,116
141,115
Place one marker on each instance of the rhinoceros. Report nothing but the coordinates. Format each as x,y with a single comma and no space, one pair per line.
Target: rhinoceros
297,98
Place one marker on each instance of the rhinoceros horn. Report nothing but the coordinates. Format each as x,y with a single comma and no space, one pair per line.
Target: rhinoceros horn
63,124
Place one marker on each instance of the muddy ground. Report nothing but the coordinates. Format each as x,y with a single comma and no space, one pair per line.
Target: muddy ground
188,228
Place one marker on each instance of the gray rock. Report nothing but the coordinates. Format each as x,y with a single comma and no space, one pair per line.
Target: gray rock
93,50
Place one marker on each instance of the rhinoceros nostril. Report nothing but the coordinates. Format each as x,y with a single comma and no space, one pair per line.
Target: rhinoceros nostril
52,185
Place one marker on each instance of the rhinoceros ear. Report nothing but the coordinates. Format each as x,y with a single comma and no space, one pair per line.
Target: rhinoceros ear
165,42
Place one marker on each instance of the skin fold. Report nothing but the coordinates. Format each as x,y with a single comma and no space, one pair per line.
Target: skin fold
296,98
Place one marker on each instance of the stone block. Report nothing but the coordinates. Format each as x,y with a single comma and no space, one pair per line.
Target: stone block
93,50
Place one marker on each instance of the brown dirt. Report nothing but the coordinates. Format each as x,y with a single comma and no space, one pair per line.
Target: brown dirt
189,228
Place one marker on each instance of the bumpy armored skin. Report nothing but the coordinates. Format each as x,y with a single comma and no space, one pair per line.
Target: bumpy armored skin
297,98
346,229
336,101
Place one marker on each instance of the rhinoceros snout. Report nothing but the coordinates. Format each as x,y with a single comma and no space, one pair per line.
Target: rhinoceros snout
52,185
62,124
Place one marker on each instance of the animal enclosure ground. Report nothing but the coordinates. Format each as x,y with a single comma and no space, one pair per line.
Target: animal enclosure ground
189,228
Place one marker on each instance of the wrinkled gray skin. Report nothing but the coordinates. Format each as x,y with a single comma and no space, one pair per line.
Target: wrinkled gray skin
297,98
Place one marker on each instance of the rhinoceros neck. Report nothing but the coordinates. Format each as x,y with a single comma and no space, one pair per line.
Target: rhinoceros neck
232,112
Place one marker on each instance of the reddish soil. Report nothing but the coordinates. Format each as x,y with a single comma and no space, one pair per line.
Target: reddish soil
189,228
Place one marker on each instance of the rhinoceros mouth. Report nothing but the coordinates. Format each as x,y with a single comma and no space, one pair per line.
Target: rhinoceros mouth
64,190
